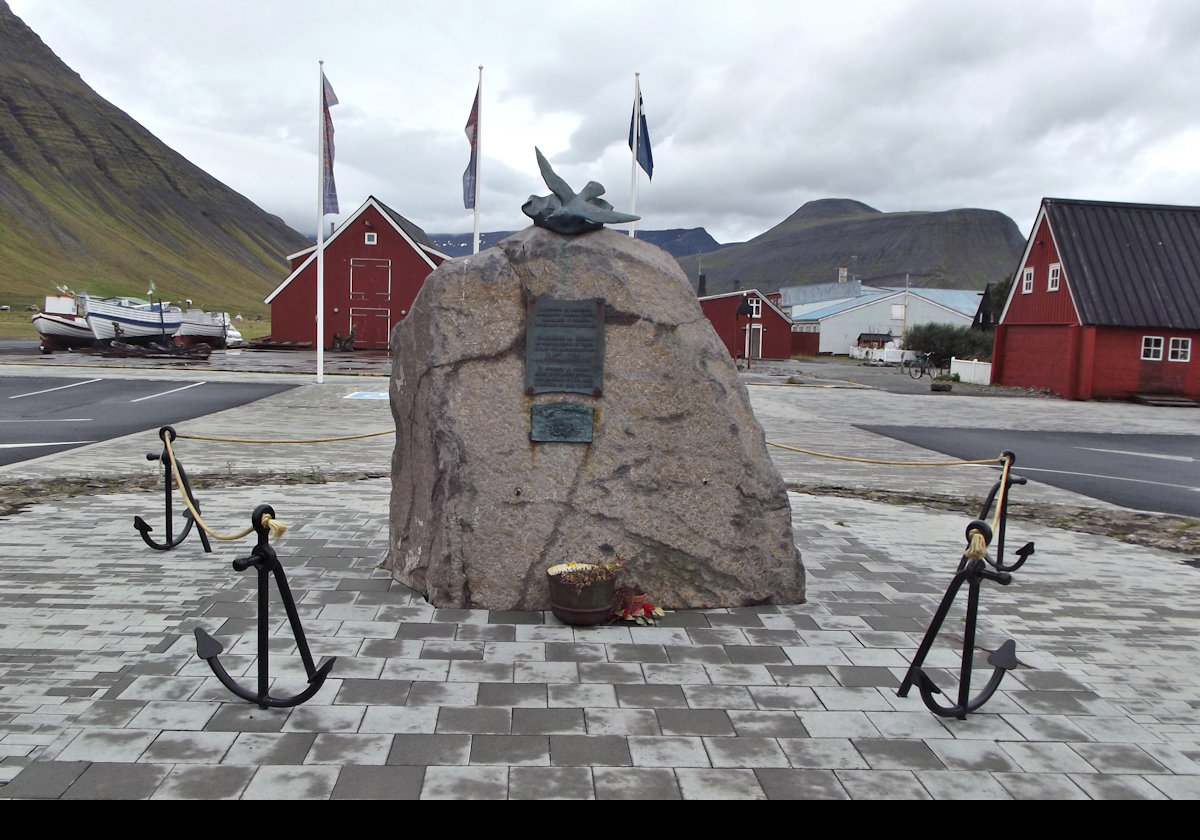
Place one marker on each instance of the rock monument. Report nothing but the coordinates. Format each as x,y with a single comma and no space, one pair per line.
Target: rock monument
561,397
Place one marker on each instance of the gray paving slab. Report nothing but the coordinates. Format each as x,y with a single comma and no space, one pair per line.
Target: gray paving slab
103,697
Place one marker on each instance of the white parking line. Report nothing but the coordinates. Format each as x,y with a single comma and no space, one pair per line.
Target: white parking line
48,390
1140,454
172,391
1023,470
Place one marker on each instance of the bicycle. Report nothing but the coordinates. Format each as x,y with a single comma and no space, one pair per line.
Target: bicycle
923,365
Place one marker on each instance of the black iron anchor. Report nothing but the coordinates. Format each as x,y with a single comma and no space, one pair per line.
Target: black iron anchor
264,559
167,433
972,570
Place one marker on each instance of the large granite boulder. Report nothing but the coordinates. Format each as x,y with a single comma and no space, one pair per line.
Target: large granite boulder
676,478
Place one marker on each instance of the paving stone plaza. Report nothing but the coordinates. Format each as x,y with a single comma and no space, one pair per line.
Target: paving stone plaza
102,695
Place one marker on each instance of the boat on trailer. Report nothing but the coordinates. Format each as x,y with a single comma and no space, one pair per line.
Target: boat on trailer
212,328
62,324
131,320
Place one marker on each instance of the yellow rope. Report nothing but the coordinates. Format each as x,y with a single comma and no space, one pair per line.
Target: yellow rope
977,546
889,463
276,527
311,440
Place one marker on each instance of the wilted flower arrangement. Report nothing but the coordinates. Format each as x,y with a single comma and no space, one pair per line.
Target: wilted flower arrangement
627,604
580,575
635,608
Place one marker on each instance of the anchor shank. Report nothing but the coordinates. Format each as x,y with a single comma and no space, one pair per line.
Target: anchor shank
968,651
264,643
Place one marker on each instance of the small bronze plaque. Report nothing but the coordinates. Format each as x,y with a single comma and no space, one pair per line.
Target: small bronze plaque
561,423
564,346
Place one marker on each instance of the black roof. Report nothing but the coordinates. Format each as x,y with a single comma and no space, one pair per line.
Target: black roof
1129,265
414,233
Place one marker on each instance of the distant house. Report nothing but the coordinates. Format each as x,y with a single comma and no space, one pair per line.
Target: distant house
835,317
749,325
375,262
1105,304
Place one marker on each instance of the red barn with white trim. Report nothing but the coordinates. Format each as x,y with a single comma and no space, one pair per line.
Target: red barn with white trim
748,323
1105,303
375,263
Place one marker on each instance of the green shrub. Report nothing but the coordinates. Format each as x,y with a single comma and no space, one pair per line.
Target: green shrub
946,341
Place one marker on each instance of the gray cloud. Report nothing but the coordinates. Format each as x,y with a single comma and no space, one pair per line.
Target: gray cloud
754,108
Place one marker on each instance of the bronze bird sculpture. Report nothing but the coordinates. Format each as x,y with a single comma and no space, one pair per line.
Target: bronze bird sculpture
568,212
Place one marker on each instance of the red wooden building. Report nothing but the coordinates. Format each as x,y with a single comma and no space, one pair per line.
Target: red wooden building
375,263
750,325
1105,304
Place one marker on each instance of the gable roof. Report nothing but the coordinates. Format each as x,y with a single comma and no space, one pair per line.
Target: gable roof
414,233
1128,265
949,300
746,292
416,238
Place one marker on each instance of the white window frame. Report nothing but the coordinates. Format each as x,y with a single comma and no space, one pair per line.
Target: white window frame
755,307
1180,350
1053,279
371,238
1027,282
1152,348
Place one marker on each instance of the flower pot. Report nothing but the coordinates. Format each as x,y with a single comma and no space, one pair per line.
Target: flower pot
590,603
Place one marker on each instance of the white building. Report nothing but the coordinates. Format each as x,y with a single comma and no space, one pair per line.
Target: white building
852,311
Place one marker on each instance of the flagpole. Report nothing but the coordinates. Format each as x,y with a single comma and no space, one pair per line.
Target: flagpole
478,153
321,152
637,128
471,175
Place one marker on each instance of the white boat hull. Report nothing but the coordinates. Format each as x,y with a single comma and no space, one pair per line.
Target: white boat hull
59,331
132,322
200,326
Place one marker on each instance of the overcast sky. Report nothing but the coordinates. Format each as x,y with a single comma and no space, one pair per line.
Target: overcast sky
754,107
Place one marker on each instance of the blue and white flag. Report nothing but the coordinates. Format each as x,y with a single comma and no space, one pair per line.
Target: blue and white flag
639,135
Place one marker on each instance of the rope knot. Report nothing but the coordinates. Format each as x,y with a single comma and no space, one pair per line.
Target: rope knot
977,547
274,526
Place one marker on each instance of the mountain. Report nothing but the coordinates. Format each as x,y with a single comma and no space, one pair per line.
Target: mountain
91,200
951,249
679,242
956,249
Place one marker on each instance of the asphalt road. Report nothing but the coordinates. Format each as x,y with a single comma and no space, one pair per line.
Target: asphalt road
41,416
1159,473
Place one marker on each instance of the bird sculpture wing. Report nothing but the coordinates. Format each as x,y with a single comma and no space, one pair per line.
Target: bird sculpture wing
556,184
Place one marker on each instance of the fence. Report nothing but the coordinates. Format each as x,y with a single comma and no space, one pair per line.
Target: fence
880,356
973,371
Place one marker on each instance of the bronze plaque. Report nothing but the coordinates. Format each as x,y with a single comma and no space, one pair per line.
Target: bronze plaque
564,346
561,423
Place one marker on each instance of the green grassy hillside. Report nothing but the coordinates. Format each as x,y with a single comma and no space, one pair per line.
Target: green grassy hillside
92,201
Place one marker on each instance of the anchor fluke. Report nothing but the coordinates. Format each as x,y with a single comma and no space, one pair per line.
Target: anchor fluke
1004,656
206,646
323,670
